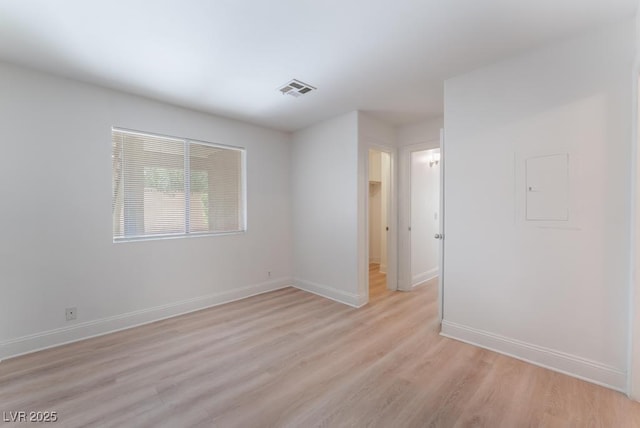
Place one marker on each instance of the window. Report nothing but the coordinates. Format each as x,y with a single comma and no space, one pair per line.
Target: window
165,186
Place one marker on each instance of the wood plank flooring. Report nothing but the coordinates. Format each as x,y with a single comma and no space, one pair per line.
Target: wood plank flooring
290,358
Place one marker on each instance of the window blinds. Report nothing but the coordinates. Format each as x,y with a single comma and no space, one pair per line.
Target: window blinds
165,186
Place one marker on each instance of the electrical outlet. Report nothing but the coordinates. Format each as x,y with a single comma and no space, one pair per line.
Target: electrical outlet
71,313
269,274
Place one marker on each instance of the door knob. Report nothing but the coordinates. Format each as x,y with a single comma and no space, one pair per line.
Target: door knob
438,236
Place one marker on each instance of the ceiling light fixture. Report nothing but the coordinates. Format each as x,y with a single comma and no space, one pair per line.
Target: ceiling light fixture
296,88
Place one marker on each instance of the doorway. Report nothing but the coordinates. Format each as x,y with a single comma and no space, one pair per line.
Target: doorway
421,217
425,215
379,182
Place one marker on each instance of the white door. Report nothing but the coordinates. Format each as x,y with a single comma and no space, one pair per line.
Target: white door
420,219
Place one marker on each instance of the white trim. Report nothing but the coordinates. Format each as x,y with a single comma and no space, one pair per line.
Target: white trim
350,299
160,237
551,359
173,137
365,144
441,226
425,276
61,336
633,335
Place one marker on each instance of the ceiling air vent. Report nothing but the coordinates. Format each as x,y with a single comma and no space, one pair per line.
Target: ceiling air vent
296,88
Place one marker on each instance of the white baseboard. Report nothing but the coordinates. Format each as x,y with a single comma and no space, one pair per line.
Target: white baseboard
332,293
60,336
425,276
374,259
568,364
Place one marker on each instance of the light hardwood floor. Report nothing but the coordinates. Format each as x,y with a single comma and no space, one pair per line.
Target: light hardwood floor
290,358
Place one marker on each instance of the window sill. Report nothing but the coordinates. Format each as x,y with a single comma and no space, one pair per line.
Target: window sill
175,236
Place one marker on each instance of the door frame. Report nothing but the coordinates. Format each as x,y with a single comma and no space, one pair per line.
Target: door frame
404,236
441,227
633,362
404,216
392,220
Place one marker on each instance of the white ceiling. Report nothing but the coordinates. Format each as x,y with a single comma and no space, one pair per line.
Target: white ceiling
228,57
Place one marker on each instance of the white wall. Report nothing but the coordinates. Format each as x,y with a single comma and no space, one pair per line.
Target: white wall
376,133
425,200
427,131
555,294
375,166
57,248
325,208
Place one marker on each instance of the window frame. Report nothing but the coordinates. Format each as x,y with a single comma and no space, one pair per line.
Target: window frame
187,167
